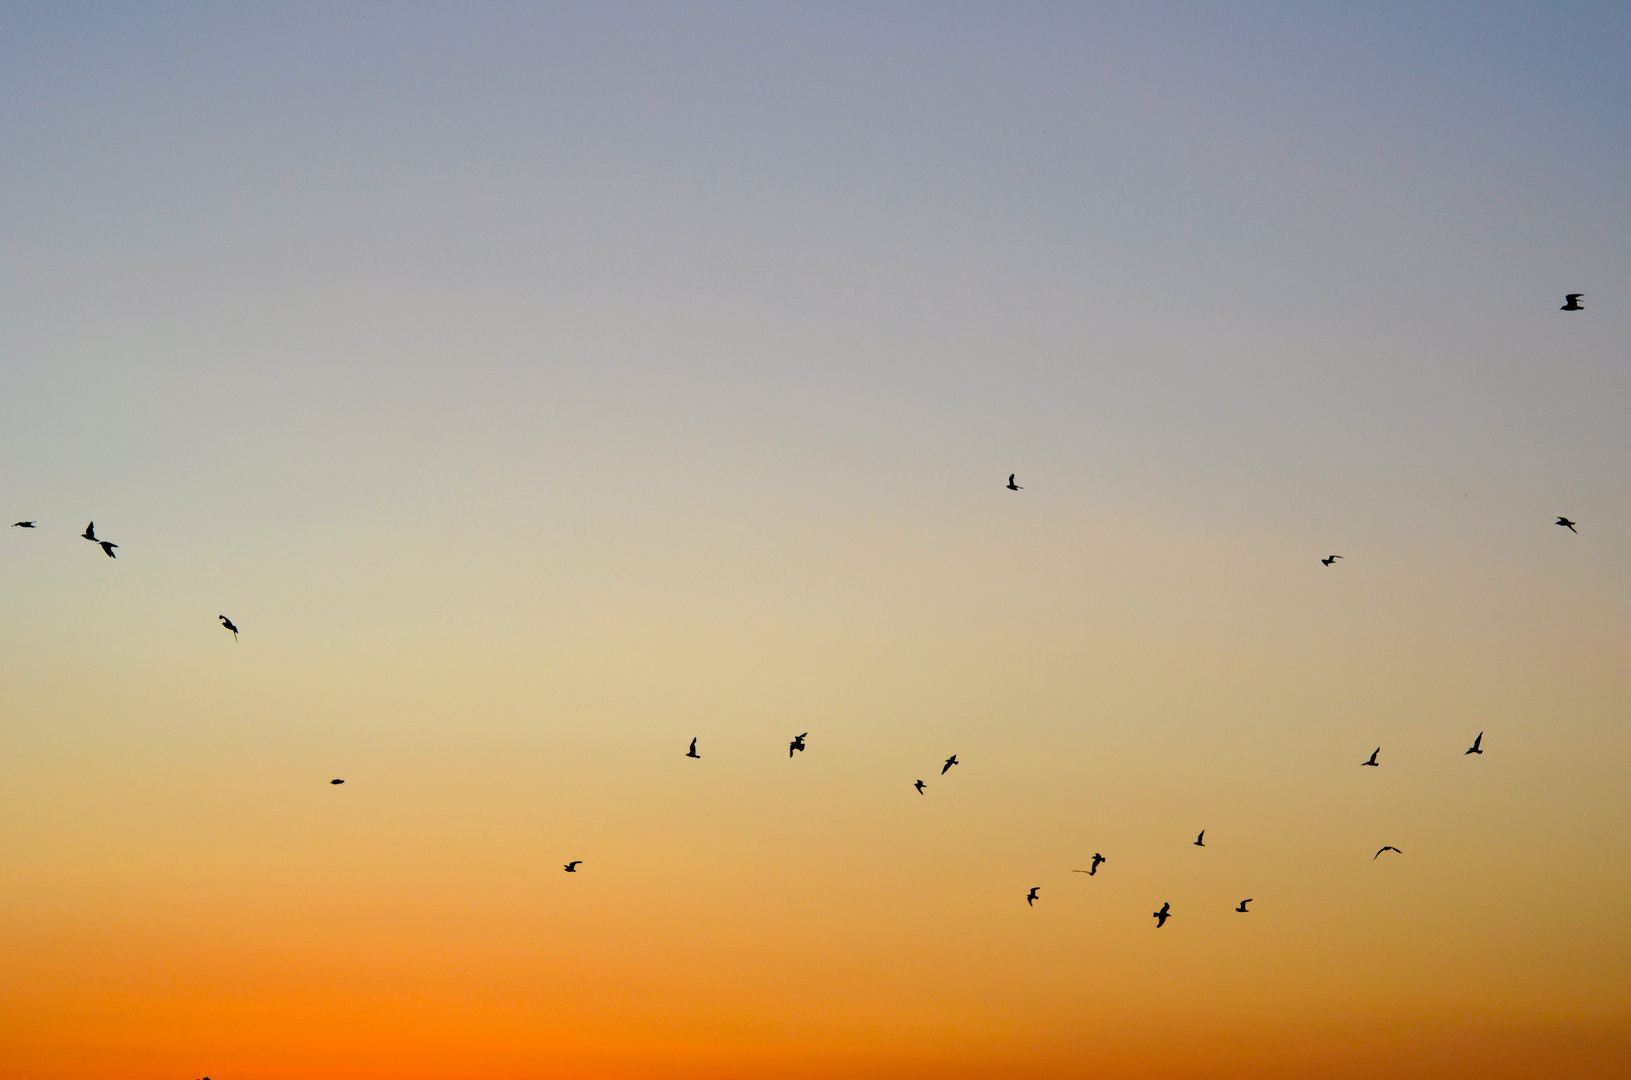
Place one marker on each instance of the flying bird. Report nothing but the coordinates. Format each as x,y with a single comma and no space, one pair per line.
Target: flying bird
1013,486
22,525
1094,868
693,751
919,785
949,763
1571,302
1329,559
107,549
1200,841
1243,904
796,744
1567,524
90,532
1389,847
572,867
1030,897
226,623
1162,916
1474,749
1372,760
336,781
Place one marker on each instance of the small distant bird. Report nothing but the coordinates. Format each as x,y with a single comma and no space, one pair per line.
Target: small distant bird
1200,841
22,525
336,781
226,623
949,763
693,751
107,549
572,867
1094,868
1474,749
1329,559
90,532
1372,760
1030,897
1162,916
796,744
1569,525
1571,302
1013,486
919,785
1243,904
1389,847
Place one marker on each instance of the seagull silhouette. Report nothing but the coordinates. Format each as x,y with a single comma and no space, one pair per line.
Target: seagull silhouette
336,781
1243,904
1030,897
1474,749
107,549
1013,486
22,525
1094,867
572,867
949,763
90,532
1389,847
1571,302
1200,841
1372,760
796,744
919,785
1162,916
1567,524
693,751
1329,559
227,624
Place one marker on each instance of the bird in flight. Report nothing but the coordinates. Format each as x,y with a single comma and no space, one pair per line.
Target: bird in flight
919,785
949,763
1243,904
1329,559
107,549
1474,749
1030,897
1389,847
572,867
90,532
1571,302
796,744
336,781
1162,916
1013,486
1567,524
1372,760
1200,841
1093,867
226,624
22,525
693,751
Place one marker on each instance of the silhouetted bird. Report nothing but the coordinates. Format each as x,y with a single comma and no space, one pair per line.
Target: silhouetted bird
90,532
1094,868
1571,302
572,867
1200,841
949,763
1569,525
1243,904
1372,760
227,623
1013,486
1474,749
796,744
919,785
107,549
1162,916
22,525
693,751
336,781
1030,897
1389,847
1329,559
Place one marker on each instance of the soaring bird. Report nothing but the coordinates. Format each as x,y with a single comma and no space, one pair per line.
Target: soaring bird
919,785
107,549
1094,867
949,763
1389,847
1162,916
1329,559
796,744
1571,302
1474,749
1200,841
1013,486
1567,524
22,525
572,867
336,781
90,532
1372,760
1030,897
227,624
693,751
1243,904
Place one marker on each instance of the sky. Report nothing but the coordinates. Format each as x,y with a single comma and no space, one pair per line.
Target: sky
540,387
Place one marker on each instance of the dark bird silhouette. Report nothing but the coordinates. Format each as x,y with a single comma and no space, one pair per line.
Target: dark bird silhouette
1329,559
22,525
949,763
1569,525
1013,486
693,751
1162,916
1094,867
1243,904
1200,841
919,785
1030,897
1571,302
796,744
336,781
1474,748
572,867
107,549
90,532
1372,760
226,623
1389,847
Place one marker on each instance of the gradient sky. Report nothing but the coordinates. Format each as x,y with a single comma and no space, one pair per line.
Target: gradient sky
540,387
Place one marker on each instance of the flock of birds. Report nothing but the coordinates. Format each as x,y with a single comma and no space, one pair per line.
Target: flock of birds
1571,302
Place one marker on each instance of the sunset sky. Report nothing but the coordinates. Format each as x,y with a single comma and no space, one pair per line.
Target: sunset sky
540,387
